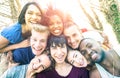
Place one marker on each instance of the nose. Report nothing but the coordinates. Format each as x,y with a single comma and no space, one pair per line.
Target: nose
34,16
37,44
88,51
72,40
58,51
55,25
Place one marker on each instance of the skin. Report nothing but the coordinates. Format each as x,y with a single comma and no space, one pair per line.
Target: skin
74,37
32,15
58,53
38,64
89,47
93,52
76,58
56,25
38,42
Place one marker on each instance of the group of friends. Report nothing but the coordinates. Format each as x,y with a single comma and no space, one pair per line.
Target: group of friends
49,44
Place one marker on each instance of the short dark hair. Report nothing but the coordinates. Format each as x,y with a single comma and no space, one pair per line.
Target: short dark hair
21,18
57,40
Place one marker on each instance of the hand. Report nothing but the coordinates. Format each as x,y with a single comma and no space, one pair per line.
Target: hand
24,43
11,63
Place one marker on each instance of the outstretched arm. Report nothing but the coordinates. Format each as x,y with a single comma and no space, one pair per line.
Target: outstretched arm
24,43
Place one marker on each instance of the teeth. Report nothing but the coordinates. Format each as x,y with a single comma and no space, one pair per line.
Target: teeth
33,22
56,31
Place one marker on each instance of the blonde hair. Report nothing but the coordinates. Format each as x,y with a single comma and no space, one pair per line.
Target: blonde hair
40,28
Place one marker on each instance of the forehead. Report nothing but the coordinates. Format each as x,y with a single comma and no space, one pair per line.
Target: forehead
56,17
39,34
87,41
44,58
33,7
72,28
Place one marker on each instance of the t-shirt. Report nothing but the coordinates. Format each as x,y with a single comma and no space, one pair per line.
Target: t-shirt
23,55
15,72
74,73
13,33
104,73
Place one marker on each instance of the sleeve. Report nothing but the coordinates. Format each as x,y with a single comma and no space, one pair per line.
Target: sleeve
19,56
15,72
12,33
85,73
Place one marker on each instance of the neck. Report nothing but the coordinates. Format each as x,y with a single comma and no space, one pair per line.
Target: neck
25,31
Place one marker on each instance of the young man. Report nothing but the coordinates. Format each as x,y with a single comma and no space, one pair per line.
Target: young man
38,43
107,61
72,34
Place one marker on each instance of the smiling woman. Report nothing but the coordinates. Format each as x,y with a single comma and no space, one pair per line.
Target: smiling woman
16,36
22,29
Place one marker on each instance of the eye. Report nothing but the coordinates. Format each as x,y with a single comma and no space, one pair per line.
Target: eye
33,39
72,61
63,45
83,52
30,12
39,60
74,35
75,55
89,45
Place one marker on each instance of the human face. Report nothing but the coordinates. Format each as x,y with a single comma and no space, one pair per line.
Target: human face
38,42
32,15
40,63
56,25
58,53
92,50
73,36
76,59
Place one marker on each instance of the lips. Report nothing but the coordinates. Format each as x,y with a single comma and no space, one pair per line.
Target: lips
38,50
94,56
81,62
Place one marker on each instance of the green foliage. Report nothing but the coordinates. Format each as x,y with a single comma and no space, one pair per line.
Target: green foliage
113,18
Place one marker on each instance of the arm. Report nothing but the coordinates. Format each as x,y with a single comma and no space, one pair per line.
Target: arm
24,43
30,73
3,42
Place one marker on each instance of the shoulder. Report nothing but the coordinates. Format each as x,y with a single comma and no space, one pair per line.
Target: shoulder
22,55
13,33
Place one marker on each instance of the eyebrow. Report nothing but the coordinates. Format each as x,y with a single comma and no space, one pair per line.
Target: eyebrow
39,60
72,61
41,64
88,44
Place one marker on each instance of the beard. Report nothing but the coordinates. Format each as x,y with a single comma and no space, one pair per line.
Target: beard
101,58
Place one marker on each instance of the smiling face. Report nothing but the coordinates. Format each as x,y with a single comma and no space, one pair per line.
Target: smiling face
38,42
92,50
73,36
55,25
32,15
58,48
40,63
58,53
76,59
